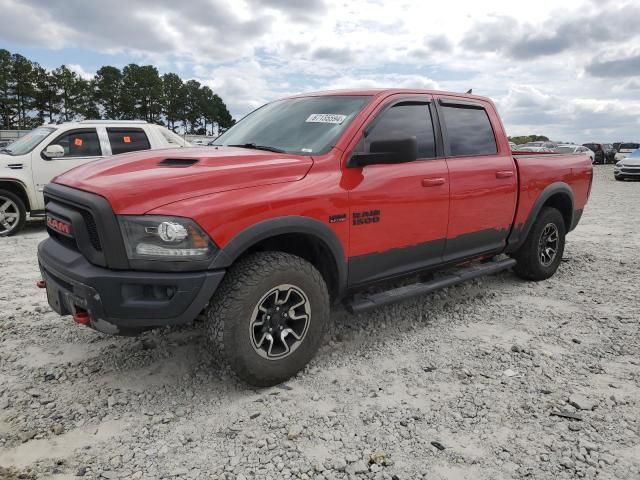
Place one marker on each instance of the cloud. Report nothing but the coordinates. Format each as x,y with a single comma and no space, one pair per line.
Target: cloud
295,10
151,27
333,55
559,34
440,43
381,81
622,67
82,73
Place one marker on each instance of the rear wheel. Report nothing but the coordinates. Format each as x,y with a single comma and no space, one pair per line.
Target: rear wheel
13,213
268,318
541,253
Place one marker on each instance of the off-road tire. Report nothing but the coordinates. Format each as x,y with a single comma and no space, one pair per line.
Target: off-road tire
22,212
229,314
530,265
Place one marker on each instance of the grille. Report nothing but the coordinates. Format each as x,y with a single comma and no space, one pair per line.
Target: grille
66,241
631,170
89,221
92,230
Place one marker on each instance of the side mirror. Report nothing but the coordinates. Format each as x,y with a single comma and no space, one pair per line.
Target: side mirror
399,150
53,151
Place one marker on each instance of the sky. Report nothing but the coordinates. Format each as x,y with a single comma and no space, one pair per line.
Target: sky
569,70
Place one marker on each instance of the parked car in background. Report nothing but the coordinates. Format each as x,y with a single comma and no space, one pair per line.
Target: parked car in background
5,143
30,162
513,146
599,152
625,149
571,148
628,167
540,144
535,149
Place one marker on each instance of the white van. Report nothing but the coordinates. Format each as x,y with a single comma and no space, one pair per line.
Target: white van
30,162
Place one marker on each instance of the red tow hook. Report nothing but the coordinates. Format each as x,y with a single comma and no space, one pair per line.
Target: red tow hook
81,317
41,284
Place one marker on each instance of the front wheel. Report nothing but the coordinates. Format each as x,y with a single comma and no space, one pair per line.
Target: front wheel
268,318
540,255
13,213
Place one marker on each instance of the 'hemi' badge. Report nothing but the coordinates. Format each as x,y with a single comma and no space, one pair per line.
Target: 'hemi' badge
59,226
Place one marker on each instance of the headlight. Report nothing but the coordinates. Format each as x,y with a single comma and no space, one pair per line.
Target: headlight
152,237
619,164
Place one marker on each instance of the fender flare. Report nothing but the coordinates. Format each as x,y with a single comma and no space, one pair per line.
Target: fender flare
519,234
273,227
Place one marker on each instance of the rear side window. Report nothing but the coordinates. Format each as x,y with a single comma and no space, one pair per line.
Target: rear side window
406,120
125,140
469,131
79,143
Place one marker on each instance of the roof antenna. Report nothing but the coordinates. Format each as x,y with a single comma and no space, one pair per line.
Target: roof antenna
469,91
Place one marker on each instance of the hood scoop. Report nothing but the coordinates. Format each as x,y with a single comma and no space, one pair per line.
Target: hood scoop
177,162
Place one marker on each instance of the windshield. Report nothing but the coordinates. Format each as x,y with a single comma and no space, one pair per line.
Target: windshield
28,142
629,146
635,153
305,125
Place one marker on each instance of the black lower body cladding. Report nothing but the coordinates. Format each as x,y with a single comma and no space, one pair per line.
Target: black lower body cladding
122,302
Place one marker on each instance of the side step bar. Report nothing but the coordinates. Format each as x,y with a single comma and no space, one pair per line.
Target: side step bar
364,302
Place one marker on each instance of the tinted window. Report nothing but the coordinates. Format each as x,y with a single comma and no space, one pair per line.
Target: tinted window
469,131
125,140
403,121
79,143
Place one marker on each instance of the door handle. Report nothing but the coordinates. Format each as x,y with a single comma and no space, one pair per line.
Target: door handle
432,182
504,174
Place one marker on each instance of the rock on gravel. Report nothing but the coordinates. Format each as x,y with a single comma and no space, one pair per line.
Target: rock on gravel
581,402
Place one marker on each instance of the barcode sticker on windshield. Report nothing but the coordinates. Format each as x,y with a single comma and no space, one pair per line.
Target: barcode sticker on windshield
326,118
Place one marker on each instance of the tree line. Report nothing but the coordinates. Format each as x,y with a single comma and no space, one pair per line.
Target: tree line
528,138
30,96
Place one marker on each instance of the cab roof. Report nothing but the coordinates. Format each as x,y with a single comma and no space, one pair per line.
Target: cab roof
384,92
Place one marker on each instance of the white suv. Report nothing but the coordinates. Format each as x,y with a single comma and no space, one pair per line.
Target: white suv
30,162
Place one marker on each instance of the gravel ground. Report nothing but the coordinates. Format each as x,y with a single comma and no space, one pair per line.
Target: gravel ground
496,379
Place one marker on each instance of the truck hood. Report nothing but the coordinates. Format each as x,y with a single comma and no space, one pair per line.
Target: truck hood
137,182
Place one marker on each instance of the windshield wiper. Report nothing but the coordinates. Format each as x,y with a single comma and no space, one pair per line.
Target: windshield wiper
259,147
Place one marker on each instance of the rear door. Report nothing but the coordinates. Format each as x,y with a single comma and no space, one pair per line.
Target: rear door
124,140
398,212
482,177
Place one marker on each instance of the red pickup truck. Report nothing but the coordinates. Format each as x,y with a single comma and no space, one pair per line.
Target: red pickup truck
307,201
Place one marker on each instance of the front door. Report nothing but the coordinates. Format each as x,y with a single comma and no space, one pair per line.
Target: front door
398,212
483,179
80,146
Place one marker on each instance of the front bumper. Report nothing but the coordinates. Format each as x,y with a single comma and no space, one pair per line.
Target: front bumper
626,171
122,302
